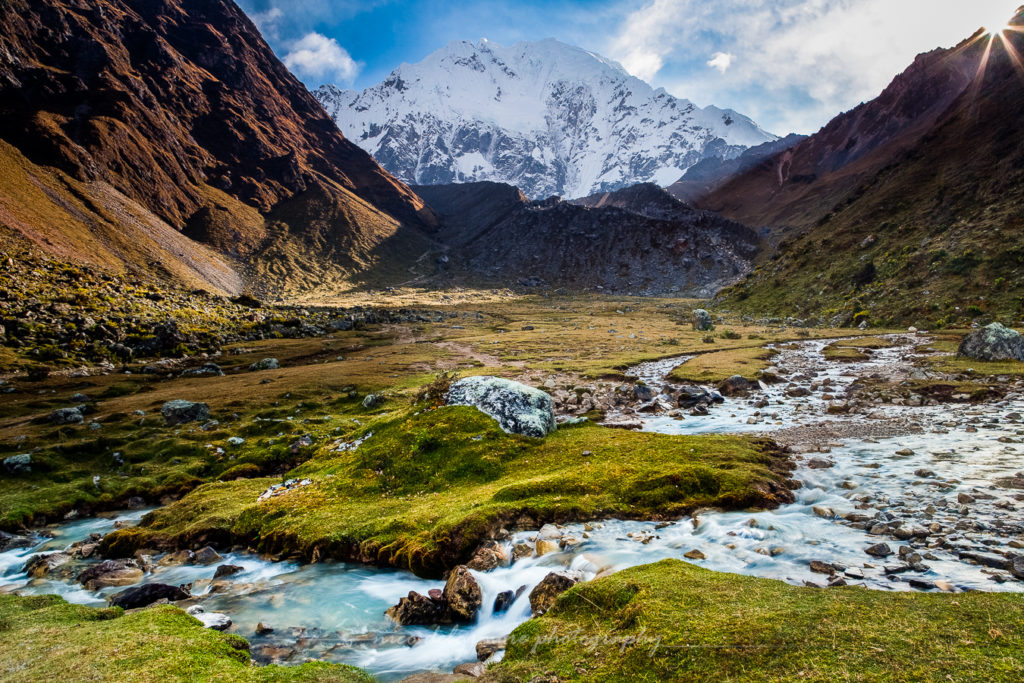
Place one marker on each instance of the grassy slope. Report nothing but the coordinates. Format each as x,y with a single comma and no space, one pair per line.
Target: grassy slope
690,623
45,638
931,240
425,490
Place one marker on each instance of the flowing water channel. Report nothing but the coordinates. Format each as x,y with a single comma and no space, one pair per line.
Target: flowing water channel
951,480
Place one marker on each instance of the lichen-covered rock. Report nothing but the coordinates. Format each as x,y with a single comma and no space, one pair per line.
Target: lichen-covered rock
993,342
179,412
18,464
519,409
66,416
702,320
265,364
543,596
462,595
373,401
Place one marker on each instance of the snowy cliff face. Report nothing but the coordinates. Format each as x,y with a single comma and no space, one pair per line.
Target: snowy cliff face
549,118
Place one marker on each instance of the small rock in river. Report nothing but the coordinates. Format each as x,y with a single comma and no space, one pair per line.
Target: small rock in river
879,550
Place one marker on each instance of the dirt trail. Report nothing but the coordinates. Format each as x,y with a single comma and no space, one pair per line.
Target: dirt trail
469,352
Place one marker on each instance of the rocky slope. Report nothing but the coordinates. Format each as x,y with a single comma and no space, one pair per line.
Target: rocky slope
546,117
127,127
637,240
923,229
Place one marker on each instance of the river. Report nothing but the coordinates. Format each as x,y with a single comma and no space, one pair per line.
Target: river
945,487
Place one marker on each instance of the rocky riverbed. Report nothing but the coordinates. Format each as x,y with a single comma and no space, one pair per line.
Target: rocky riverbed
901,490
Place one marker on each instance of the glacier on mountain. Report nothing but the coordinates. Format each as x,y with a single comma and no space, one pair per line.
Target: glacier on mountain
544,116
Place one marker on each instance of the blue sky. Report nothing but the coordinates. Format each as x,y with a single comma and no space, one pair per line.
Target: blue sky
789,64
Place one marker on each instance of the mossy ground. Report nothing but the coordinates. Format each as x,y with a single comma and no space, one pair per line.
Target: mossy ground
45,638
675,621
425,490
315,393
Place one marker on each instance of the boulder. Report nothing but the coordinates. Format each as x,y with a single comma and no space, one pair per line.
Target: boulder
18,464
689,396
519,409
418,609
503,601
879,550
642,392
372,401
177,558
488,646
66,416
206,555
702,320
13,542
178,412
737,385
147,594
40,566
265,364
227,570
544,594
110,573
462,594
993,342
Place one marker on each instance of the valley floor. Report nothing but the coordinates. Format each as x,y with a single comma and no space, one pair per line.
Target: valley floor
392,479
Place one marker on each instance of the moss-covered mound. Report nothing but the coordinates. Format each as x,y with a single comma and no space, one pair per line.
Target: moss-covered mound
675,621
424,490
45,638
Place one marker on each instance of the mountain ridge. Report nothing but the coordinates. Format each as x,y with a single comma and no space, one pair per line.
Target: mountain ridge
550,118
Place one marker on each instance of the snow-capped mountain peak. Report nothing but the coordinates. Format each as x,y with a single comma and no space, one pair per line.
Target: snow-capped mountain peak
547,117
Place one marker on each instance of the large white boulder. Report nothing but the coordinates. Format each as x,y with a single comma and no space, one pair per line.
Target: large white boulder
518,408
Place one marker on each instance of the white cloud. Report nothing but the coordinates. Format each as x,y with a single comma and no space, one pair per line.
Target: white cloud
721,61
790,64
267,17
315,56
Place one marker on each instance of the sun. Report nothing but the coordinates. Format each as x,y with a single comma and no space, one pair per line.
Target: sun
996,19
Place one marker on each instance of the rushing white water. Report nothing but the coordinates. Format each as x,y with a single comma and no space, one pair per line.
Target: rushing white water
335,611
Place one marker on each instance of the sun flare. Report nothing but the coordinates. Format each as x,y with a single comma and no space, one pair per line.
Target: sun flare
997,20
